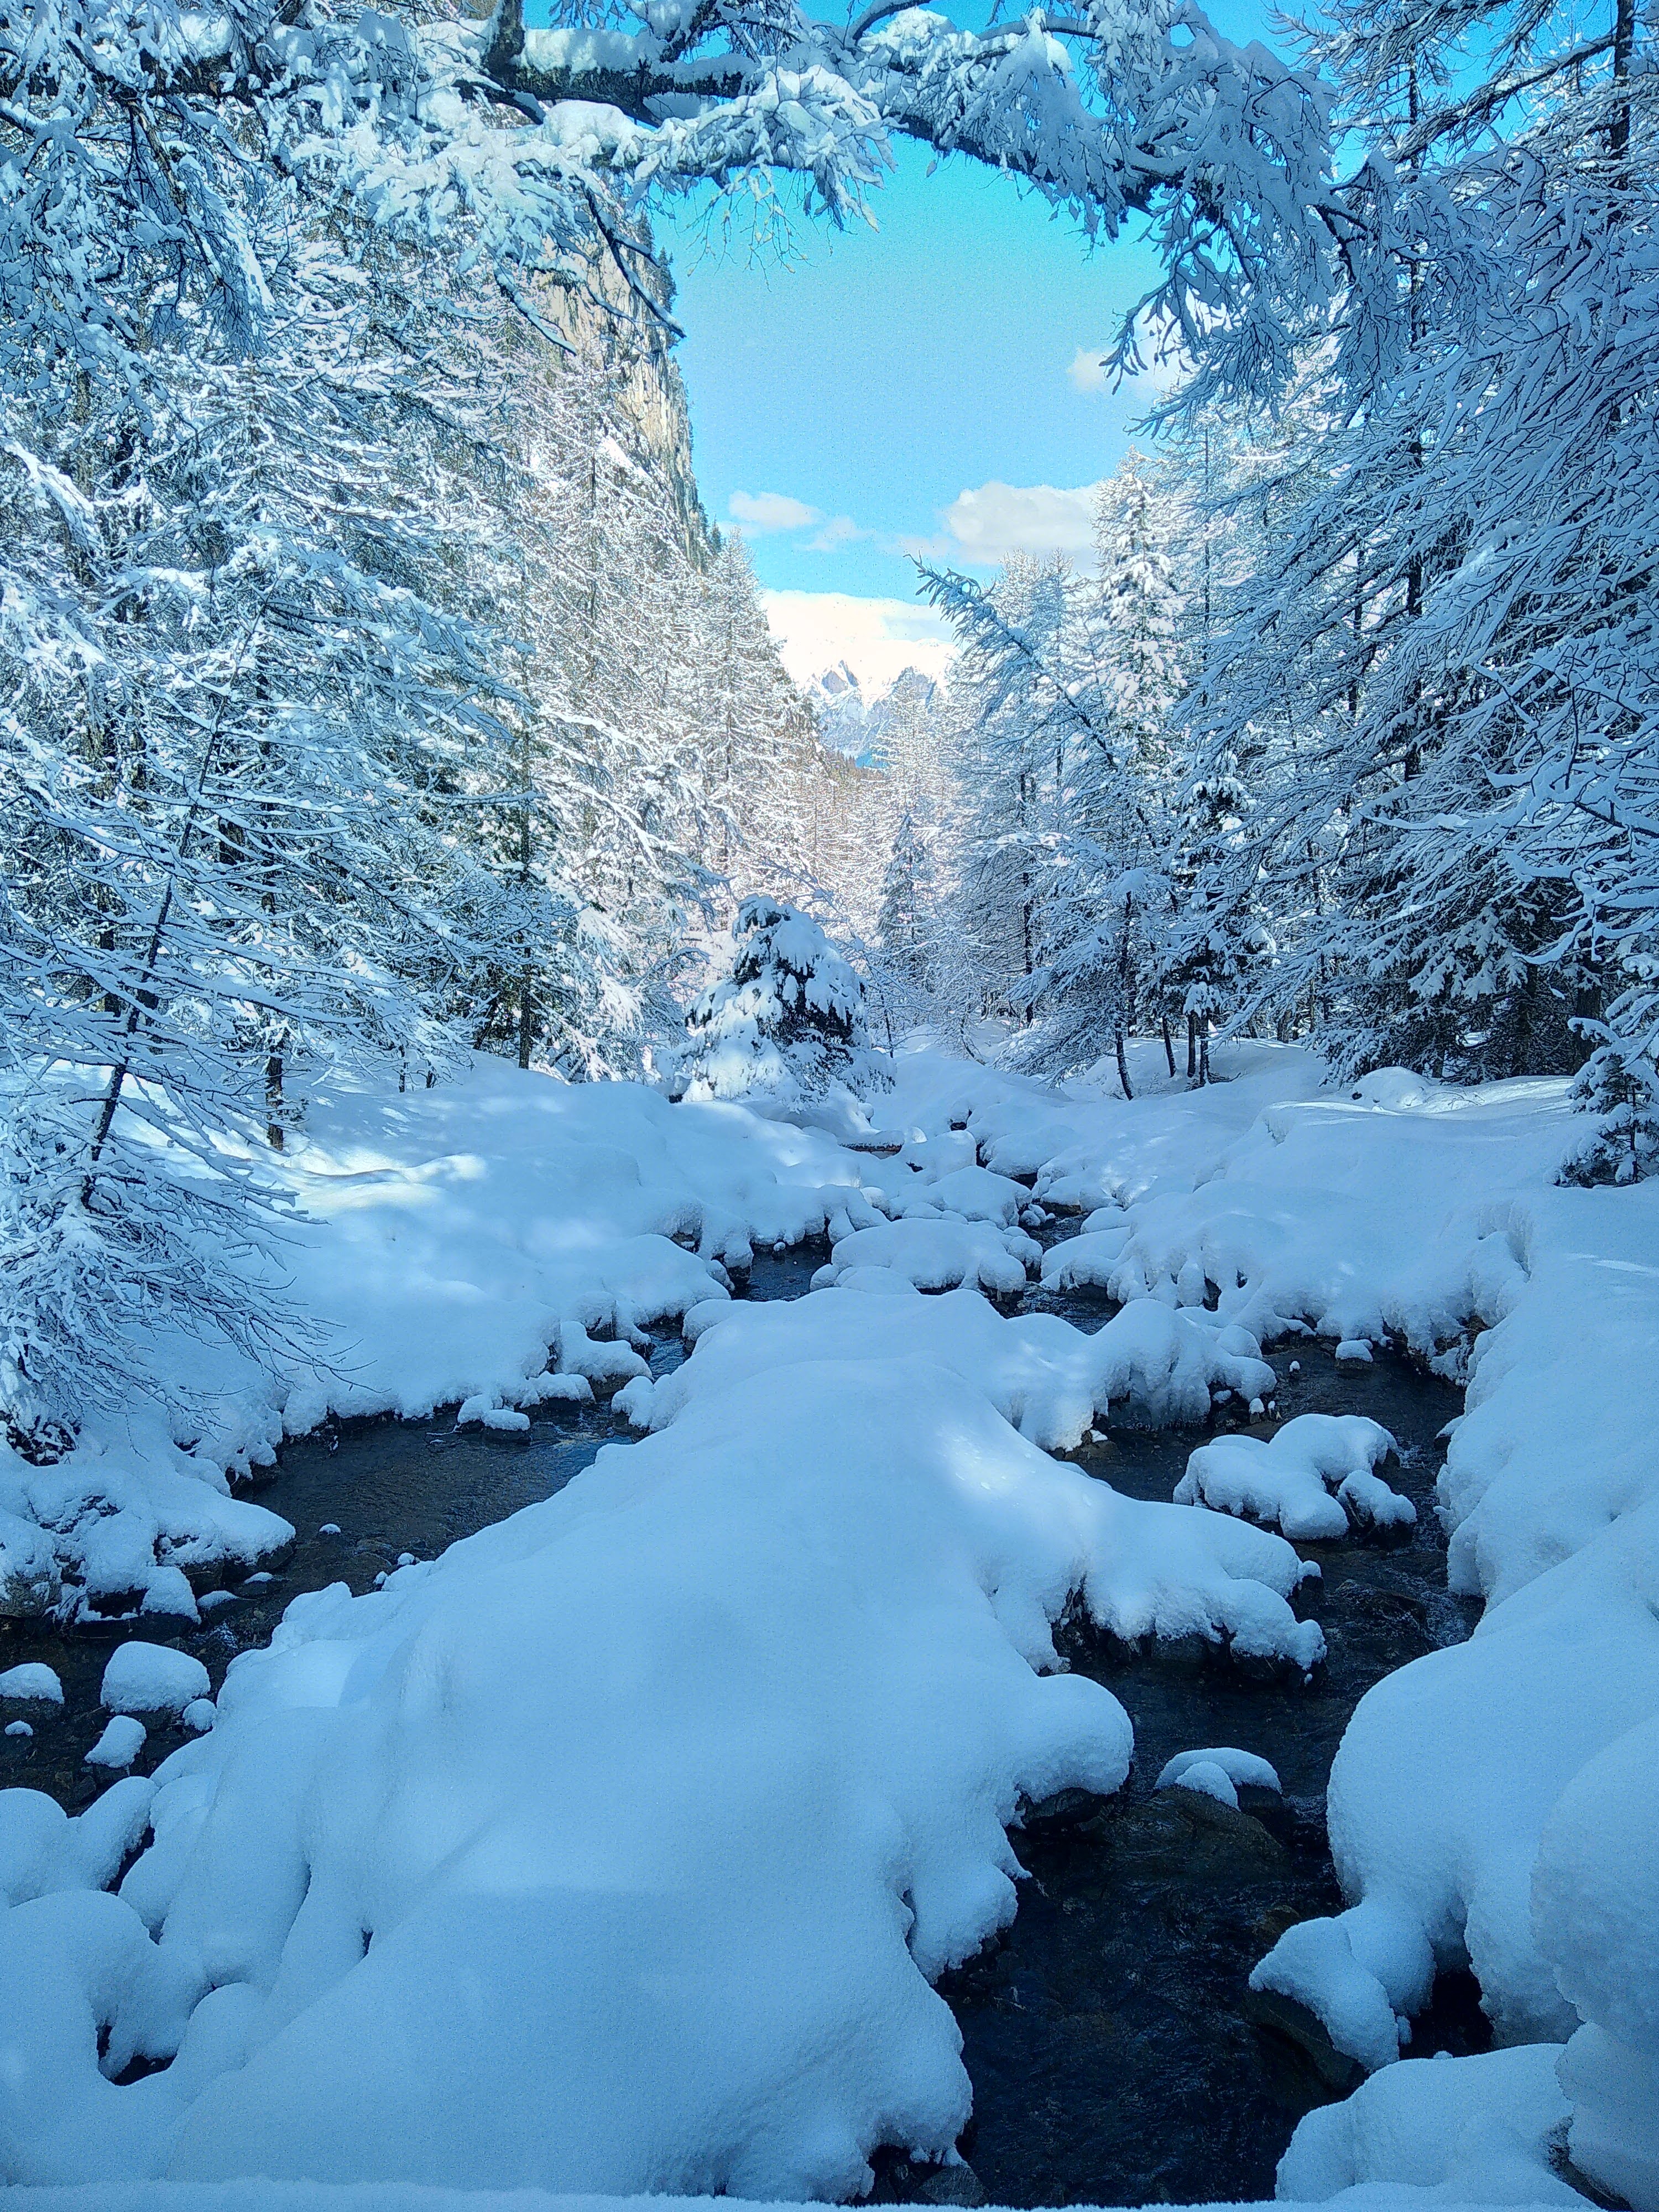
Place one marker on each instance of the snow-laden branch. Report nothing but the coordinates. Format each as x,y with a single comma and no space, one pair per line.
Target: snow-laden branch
125,130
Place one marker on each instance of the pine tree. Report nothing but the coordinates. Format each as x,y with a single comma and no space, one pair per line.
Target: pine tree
786,1022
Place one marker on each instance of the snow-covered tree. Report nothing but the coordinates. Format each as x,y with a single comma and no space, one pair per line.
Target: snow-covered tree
907,926
1446,636
786,1022
1621,1090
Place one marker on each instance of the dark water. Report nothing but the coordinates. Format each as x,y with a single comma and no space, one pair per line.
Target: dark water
395,1488
1113,2057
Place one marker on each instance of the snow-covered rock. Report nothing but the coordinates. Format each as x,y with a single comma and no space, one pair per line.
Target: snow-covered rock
1476,2130
967,1194
120,1743
34,1683
938,1254
1242,1770
151,1678
1283,1479
1084,1262
1148,1366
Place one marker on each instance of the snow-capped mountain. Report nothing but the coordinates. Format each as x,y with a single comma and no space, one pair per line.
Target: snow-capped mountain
854,721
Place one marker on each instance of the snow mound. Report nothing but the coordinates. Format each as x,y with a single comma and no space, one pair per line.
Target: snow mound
1595,1906
1284,1481
32,1684
1242,1770
938,1254
44,1850
968,1194
151,1678
1148,1365
618,1847
119,1745
1475,2131
1087,1261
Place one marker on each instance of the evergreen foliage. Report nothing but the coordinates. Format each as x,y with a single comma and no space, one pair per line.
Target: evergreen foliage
786,1022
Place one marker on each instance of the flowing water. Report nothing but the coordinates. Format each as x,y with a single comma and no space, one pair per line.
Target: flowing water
1115,2056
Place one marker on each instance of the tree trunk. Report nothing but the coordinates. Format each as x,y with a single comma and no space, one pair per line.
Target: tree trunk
275,1136
1192,1047
1203,1051
1169,1048
526,1016
1122,1062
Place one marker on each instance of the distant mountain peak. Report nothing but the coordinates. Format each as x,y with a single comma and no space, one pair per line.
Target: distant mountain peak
854,721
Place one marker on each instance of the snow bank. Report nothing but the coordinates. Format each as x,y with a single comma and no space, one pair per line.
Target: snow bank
1477,2130
498,1243
1283,1481
261,2195
1147,1366
1596,1900
618,1847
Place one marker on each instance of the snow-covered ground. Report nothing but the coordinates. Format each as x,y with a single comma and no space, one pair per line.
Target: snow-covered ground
616,1848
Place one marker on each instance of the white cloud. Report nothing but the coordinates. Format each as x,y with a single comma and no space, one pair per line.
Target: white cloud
988,526
840,529
771,510
879,639
1087,369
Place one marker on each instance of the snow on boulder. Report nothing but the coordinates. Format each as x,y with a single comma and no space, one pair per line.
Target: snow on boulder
120,1743
970,1193
1148,1365
1242,1770
1475,2130
1284,1480
937,1255
1084,1262
32,1684
1364,1973
44,1850
152,1678
1208,1778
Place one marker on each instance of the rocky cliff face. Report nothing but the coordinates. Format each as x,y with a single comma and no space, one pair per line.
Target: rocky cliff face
609,314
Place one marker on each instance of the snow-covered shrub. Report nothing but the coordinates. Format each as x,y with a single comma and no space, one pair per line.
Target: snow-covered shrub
786,1019
1622,1144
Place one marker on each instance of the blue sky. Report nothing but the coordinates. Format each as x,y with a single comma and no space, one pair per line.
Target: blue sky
927,385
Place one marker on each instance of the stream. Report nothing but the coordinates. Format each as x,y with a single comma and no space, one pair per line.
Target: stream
1115,2055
